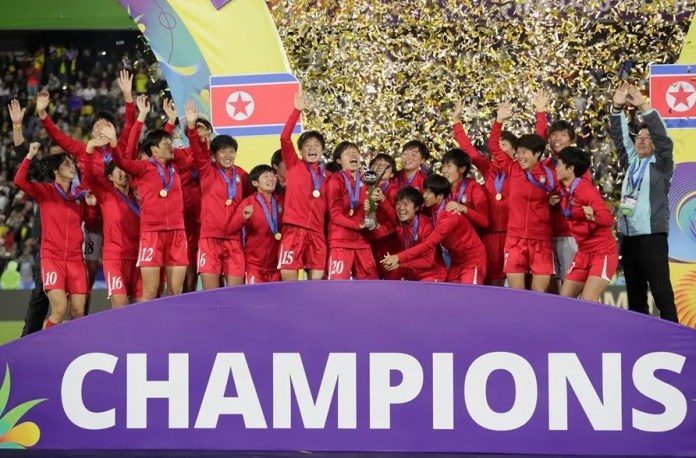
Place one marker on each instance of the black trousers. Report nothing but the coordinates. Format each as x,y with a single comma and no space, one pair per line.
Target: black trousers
38,305
645,261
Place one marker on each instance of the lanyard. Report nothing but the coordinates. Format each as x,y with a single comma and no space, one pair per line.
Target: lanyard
567,211
545,187
499,179
72,197
384,186
414,234
462,190
194,174
353,193
316,180
132,205
272,219
637,179
231,183
167,184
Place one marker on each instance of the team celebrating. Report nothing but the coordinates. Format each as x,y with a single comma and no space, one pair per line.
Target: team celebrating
160,215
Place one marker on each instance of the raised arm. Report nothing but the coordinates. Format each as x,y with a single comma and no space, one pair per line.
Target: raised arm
500,157
183,159
17,117
69,144
664,147
541,101
429,243
620,134
479,160
287,149
125,82
123,160
21,179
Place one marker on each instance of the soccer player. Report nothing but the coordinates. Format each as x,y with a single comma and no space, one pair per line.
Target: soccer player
220,251
413,155
350,255
93,239
190,185
281,171
590,222
63,211
453,232
262,215
413,229
303,245
162,235
528,243
467,196
121,212
383,241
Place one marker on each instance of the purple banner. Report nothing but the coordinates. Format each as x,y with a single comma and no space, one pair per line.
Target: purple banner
356,366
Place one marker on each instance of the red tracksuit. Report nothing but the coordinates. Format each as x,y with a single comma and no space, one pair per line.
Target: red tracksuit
220,249
61,232
121,216
428,266
262,246
304,243
528,243
456,235
162,236
349,246
468,192
384,242
416,181
597,253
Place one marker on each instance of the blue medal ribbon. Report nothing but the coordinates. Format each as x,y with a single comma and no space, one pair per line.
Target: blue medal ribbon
353,193
72,197
462,190
271,218
194,174
546,187
106,155
637,179
231,183
384,186
167,184
127,200
567,211
445,254
408,181
499,180
414,234
316,180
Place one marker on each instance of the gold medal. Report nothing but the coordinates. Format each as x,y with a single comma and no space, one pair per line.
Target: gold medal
316,193
278,236
163,193
350,213
499,196
228,202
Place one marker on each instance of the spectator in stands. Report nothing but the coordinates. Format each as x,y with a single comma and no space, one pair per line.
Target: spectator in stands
644,209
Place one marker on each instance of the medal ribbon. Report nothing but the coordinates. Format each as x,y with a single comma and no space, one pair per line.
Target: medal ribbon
567,211
499,179
106,155
167,184
462,190
545,187
231,183
272,219
72,197
353,193
132,205
316,180
414,234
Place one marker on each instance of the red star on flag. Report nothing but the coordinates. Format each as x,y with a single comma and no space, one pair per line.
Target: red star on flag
239,105
681,97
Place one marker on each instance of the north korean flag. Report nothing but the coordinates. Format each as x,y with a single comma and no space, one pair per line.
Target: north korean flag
673,94
250,105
